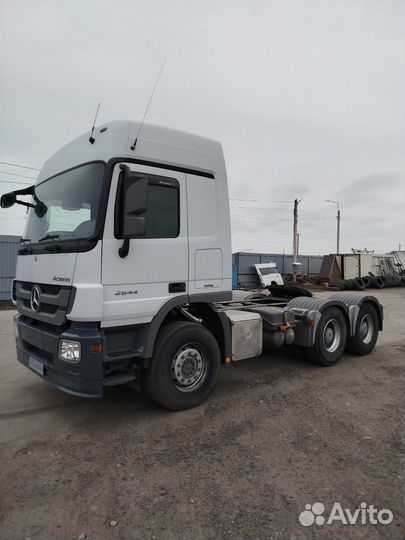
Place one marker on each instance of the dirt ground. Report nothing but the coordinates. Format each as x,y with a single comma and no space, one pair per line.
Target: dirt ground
6,305
277,433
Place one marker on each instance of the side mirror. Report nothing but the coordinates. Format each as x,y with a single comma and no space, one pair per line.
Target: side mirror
40,209
133,189
8,199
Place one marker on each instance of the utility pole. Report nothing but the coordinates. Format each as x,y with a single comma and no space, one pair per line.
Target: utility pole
338,225
338,231
295,239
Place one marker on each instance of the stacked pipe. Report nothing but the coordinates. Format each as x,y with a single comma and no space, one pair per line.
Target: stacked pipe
371,282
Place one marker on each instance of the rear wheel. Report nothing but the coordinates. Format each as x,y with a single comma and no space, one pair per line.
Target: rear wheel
185,366
366,333
330,338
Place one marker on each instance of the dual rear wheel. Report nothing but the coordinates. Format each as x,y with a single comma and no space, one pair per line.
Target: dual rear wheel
331,338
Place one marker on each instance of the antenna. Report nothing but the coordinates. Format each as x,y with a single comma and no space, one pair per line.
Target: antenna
147,106
91,138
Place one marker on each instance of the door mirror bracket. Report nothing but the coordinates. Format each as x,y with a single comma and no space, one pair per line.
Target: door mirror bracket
124,249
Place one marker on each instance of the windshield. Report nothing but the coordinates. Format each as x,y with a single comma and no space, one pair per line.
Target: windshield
72,200
268,270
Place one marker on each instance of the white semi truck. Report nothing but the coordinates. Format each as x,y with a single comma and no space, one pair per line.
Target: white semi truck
124,273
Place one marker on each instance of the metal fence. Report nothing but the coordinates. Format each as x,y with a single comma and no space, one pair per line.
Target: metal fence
244,273
8,259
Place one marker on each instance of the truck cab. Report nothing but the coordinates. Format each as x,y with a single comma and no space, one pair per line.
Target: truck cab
72,280
268,274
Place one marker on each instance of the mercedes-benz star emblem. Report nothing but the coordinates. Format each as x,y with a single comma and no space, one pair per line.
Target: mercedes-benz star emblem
35,293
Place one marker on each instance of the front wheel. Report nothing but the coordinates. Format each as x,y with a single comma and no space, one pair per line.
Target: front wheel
330,338
366,332
185,366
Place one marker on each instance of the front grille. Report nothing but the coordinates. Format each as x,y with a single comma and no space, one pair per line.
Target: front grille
53,302
46,308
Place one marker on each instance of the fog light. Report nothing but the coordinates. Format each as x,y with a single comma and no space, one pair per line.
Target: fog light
69,351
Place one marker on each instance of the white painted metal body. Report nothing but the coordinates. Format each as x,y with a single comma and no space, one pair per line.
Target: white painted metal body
200,256
269,274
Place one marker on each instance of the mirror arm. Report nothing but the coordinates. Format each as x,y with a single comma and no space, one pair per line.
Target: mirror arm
124,249
27,204
30,190
126,170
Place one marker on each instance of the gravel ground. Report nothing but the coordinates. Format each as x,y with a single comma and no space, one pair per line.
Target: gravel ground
276,434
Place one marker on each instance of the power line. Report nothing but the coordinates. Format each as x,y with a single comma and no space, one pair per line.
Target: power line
17,165
20,175
266,219
281,219
260,200
316,218
253,207
14,182
267,208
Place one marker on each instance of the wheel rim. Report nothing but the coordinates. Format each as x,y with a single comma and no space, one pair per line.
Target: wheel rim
332,335
189,367
366,329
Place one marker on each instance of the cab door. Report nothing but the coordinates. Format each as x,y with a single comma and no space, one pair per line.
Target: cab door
156,267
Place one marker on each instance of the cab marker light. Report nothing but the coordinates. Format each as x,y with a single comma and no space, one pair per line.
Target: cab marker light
96,348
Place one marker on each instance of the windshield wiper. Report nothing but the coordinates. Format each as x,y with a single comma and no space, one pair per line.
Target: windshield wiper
54,245
25,245
49,237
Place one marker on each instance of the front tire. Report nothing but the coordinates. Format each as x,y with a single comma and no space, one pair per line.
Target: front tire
330,338
366,333
185,366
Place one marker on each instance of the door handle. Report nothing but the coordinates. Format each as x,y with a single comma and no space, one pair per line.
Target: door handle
177,287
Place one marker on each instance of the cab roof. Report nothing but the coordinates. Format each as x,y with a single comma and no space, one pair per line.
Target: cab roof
157,144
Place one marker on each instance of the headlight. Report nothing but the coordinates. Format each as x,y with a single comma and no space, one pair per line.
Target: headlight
69,351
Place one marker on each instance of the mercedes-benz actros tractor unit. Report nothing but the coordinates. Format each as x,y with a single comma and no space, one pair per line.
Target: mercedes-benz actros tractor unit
124,273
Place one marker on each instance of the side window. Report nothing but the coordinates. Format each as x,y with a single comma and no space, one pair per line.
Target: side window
162,208
162,213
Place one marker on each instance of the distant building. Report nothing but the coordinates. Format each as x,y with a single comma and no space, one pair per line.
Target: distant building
352,265
8,259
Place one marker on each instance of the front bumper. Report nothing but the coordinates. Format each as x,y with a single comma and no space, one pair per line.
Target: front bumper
84,379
